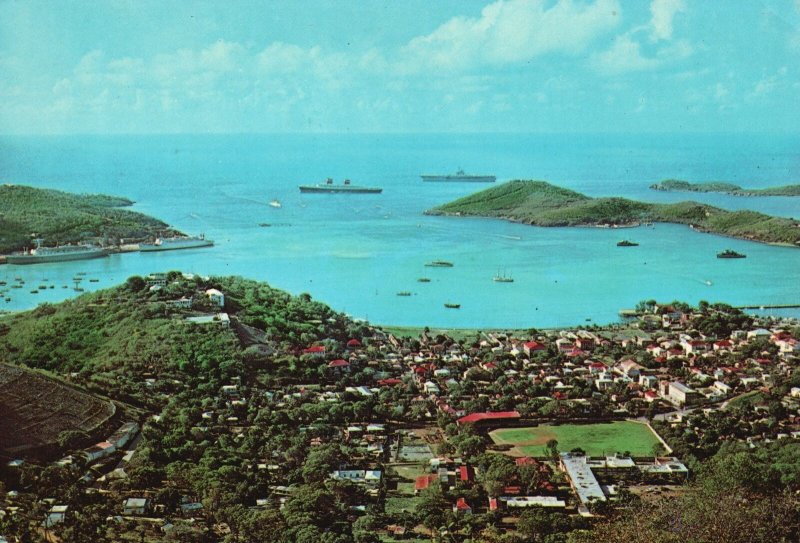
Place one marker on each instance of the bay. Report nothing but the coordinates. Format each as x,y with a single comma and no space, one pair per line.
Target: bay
355,252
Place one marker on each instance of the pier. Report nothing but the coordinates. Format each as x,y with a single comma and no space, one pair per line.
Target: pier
776,306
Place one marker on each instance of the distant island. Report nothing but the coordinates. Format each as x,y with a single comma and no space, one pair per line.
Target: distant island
60,217
541,204
677,185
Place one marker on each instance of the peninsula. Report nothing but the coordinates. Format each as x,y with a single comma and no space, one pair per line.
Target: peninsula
539,203
677,185
60,217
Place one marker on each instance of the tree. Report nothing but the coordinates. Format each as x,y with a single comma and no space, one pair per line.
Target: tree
431,507
135,283
536,524
551,448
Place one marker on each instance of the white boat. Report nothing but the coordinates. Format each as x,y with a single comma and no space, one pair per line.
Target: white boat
275,203
177,242
502,278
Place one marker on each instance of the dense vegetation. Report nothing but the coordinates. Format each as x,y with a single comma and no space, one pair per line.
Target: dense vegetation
742,495
60,217
128,329
128,343
542,204
727,188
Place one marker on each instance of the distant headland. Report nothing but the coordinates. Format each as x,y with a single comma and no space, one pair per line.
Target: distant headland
677,185
539,203
60,217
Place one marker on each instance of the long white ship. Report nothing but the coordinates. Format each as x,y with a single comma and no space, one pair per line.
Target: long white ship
65,253
177,242
459,176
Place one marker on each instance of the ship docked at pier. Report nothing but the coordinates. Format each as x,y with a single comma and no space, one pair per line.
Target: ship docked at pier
177,242
459,176
346,187
65,253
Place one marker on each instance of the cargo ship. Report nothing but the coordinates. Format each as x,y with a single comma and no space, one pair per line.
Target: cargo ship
460,175
177,242
346,187
65,253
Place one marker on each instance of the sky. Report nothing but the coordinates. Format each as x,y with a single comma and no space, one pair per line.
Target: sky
536,66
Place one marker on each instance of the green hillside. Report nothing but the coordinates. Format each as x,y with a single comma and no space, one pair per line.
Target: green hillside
727,188
59,217
113,337
542,204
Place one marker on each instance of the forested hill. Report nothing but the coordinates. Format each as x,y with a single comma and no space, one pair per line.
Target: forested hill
541,204
114,338
60,217
723,187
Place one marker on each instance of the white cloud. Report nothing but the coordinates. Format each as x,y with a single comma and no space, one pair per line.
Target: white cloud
663,11
625,55
511,31
768,84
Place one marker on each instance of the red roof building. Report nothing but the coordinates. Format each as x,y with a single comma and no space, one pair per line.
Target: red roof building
339,363
532,347
423,481
316,349
462,506
353,343
465,473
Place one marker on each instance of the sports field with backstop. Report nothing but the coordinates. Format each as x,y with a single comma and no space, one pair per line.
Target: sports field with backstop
598,439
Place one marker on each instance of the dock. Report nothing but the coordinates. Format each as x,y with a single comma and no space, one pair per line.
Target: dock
775,306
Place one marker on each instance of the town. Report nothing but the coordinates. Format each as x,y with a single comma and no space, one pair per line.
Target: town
282,419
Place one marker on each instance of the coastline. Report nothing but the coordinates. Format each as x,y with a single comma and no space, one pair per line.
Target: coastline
699,229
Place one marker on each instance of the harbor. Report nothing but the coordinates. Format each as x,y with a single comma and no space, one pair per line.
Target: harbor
356,252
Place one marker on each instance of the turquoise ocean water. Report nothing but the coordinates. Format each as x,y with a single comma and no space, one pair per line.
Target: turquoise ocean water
355,252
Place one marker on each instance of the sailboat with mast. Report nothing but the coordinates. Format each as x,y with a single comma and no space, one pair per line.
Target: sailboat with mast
503,278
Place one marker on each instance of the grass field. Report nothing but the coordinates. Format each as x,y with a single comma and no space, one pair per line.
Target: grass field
595,439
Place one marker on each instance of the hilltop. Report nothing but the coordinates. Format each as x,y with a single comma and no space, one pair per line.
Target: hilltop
541,204
60,217
678,185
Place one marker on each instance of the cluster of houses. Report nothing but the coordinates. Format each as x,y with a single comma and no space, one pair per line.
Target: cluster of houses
629,372
204,300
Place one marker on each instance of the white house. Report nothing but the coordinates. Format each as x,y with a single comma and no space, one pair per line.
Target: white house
216,297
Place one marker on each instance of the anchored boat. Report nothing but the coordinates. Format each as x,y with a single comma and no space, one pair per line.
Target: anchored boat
439,264
346,187
459,176
729,253
177,242
65,253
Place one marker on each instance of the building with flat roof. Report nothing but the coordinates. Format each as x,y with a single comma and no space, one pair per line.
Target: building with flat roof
581,478
521,502
680,394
